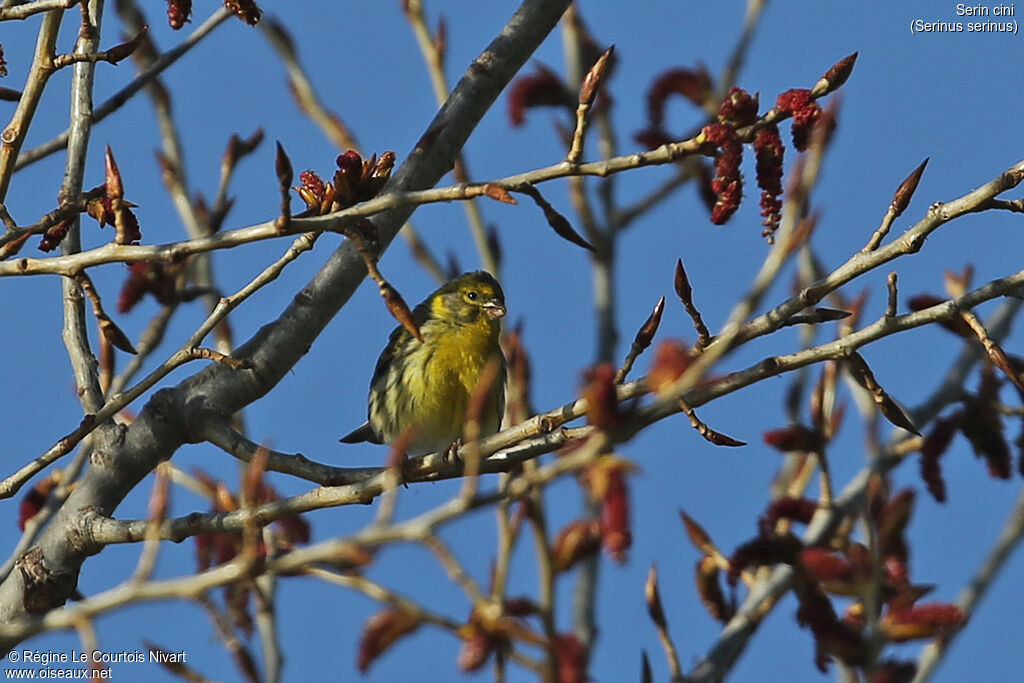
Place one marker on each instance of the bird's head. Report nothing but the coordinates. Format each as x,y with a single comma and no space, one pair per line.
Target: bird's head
469,298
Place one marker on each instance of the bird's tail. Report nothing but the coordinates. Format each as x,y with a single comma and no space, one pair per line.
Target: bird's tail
363,432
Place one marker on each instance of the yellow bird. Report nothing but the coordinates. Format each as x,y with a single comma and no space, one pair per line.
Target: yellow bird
425,386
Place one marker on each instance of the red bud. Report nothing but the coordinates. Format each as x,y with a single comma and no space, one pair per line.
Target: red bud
923,621
575,541
381,631
906,190
710,590
837,74
599,392
793,438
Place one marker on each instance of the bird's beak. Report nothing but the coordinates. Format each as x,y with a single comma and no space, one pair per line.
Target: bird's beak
494,311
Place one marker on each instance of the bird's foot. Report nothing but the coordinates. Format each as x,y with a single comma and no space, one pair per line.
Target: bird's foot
451,454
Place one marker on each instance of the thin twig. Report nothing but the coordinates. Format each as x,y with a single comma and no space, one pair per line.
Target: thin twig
75,334
657,614
993,350
506,540
221,434
15,132
433,57
601,234
422,254
685,293
900,201
393,300
224,626
731,72
266,622
477,404
626,216
1009,539
111,56
589,87
332,126
29,8
893,302
545,569
159,502
87,635
709,434
454,569
148,341
643,339
381,594
5,218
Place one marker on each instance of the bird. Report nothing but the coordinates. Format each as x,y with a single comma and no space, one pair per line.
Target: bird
421,389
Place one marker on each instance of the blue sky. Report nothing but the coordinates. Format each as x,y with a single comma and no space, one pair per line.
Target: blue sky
947,96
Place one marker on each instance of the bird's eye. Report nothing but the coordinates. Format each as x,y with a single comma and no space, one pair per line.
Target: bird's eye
472,296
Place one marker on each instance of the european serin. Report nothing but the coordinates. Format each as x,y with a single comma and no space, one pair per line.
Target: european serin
425,386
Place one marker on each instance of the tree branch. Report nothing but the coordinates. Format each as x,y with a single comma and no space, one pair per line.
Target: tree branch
13,136
1009,538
